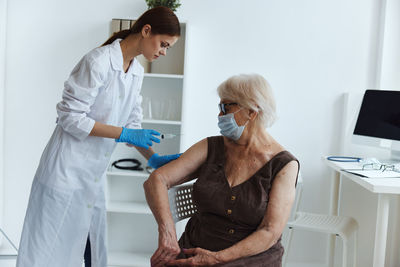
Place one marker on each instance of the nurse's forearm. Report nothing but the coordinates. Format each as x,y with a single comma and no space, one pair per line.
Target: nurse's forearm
104,130
109,131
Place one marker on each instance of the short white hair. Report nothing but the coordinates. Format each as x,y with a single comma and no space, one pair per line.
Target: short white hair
251,91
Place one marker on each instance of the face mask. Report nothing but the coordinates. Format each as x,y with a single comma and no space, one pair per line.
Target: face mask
229,127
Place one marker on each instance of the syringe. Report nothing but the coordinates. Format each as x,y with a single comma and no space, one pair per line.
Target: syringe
168,136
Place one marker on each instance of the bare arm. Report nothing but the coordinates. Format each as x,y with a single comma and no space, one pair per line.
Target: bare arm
281,199
156,190
174,173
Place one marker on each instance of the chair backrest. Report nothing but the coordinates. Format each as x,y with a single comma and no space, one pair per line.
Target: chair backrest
299,190
182,206
180,200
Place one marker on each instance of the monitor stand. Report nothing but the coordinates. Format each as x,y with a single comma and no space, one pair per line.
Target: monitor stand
394,157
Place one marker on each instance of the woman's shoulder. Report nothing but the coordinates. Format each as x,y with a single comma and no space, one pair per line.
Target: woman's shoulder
215,138
205,147
286,155
284,160
100,55
281,152
96,61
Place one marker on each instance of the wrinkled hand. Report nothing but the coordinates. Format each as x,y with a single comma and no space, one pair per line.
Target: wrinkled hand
199,257
168,249
156,161
138,137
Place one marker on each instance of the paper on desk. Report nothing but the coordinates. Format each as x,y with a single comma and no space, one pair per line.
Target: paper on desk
374,173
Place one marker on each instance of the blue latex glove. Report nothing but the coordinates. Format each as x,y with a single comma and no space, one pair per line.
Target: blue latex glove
156,161
138,137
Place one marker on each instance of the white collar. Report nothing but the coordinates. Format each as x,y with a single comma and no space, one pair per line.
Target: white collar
117,60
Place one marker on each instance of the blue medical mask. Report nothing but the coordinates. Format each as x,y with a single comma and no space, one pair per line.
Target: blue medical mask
229,127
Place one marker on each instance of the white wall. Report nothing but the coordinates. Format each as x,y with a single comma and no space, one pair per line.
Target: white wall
311,51
391,56
3,23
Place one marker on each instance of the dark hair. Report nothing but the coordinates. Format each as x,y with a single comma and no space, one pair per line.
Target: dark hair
161,19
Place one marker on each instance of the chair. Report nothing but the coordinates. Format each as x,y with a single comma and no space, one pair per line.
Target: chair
341,226
11,255
180,199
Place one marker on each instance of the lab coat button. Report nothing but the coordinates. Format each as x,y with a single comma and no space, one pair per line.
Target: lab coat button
96,180
89,206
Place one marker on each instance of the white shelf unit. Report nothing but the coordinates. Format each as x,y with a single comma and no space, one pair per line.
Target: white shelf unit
164,122
117,259
132,230
168,76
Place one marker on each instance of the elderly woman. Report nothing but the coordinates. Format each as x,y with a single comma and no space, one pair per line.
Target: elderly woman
244,191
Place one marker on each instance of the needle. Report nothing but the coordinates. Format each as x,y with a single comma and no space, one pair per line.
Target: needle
168,136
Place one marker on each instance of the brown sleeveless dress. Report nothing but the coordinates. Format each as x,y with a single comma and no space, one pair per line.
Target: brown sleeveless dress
225,215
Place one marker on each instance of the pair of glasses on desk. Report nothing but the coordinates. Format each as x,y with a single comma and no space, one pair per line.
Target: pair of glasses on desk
379,166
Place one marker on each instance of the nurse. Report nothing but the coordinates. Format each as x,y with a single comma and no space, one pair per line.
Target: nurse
101,105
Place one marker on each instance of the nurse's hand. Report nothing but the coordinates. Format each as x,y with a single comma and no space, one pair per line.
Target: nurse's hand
138,137
156,161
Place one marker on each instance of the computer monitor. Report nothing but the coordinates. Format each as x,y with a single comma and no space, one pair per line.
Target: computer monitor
378,122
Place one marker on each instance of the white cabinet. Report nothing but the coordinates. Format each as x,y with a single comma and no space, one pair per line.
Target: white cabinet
132,230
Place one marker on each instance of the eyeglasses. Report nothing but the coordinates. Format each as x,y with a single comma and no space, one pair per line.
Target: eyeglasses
222,106
378,166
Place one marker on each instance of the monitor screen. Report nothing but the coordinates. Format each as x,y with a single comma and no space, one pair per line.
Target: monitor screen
379,115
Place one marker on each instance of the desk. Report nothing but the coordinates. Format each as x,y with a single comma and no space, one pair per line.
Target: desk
380,186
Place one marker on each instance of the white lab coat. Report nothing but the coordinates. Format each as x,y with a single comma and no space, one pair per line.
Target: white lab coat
67,199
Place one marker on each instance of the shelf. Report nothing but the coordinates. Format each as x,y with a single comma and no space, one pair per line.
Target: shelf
127,259
160,75
128,207
141,174
166,122
7,254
